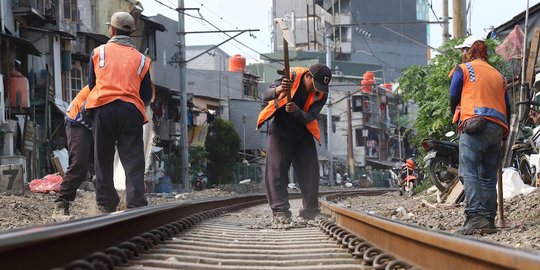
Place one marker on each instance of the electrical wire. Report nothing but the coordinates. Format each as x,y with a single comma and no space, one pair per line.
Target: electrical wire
430,5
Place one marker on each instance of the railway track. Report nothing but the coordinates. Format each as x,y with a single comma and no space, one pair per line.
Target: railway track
237,233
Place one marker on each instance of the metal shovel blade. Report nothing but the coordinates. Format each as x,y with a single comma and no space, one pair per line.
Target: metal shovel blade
287,33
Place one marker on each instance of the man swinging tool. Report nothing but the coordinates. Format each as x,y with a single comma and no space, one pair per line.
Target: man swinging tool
294,102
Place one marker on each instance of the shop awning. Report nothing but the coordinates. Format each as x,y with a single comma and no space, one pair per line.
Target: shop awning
24,44
380,164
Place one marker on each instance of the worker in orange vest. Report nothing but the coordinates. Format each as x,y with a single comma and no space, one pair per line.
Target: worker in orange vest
480,91
290,138
121,89
80,144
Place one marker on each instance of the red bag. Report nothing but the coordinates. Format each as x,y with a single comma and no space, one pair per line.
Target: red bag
46,184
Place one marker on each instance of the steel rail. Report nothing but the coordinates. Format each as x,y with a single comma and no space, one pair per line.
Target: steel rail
54,245
427,249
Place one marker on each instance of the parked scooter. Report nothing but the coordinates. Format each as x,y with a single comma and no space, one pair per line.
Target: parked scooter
408,177
442,161
199,182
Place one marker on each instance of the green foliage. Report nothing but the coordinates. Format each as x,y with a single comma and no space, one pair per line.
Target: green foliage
197,159
223,145
429,88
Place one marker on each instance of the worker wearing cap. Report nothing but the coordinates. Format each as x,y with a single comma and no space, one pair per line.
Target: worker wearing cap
480,91
290,138
80,149
121,90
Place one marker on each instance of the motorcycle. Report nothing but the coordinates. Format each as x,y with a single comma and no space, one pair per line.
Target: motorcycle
441,161
200,181
408,178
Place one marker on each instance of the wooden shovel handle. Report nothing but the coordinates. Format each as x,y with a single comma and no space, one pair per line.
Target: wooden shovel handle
287,67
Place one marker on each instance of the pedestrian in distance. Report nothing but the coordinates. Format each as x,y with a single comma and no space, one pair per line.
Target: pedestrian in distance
293,125
80,144
482,119
121,89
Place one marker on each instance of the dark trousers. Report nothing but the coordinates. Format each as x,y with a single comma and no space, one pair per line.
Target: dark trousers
81,158
302,154
119,124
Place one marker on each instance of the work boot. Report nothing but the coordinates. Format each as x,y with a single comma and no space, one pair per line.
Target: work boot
106,209
61,206
309,214
491,221
477,224
281,218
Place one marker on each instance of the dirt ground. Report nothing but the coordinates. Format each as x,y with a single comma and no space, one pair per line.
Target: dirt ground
523,212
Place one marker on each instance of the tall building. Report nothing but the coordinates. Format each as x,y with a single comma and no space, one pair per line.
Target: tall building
390,33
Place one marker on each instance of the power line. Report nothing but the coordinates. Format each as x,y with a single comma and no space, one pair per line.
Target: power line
205,20
430,5
241,43
163,4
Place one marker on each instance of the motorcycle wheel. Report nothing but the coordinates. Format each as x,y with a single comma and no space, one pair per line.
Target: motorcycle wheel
525,170
407,189
436,166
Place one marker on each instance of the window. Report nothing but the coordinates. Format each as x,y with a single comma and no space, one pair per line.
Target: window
151,45
76,81
70,10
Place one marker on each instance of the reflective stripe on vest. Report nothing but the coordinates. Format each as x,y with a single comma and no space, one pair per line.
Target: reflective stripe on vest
102,55
76,104
268,112
483,93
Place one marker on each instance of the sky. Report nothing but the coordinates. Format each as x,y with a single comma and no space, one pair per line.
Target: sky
256,14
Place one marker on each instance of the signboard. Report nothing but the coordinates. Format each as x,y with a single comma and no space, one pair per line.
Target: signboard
11,179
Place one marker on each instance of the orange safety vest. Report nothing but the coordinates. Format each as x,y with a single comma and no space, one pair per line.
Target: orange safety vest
119,71
74,108
483,94
268,112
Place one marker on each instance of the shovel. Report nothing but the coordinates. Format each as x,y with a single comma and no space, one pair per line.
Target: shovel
288,38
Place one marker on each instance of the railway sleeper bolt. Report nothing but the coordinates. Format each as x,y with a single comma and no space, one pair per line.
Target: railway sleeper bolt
151,238
160,234
172,227
354,242
129,249
101,260
119,255
360,249
370,254
199,217
334,231
169,233
382,260
184,223
79,265
141,243
331,228
341,235
346,240
398,264
191,221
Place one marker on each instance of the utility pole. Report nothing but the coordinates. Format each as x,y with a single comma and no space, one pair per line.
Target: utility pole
458,23
445,34
329,113
350,153
184,173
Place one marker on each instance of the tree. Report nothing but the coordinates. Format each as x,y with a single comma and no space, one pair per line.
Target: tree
223,145
429,88
197,159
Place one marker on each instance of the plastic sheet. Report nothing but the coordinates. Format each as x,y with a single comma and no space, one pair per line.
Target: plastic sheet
46,184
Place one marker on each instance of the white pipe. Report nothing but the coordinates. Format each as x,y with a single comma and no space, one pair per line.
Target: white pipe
521,97
2,22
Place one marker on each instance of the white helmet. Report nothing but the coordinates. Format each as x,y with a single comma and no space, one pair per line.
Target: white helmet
469,41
